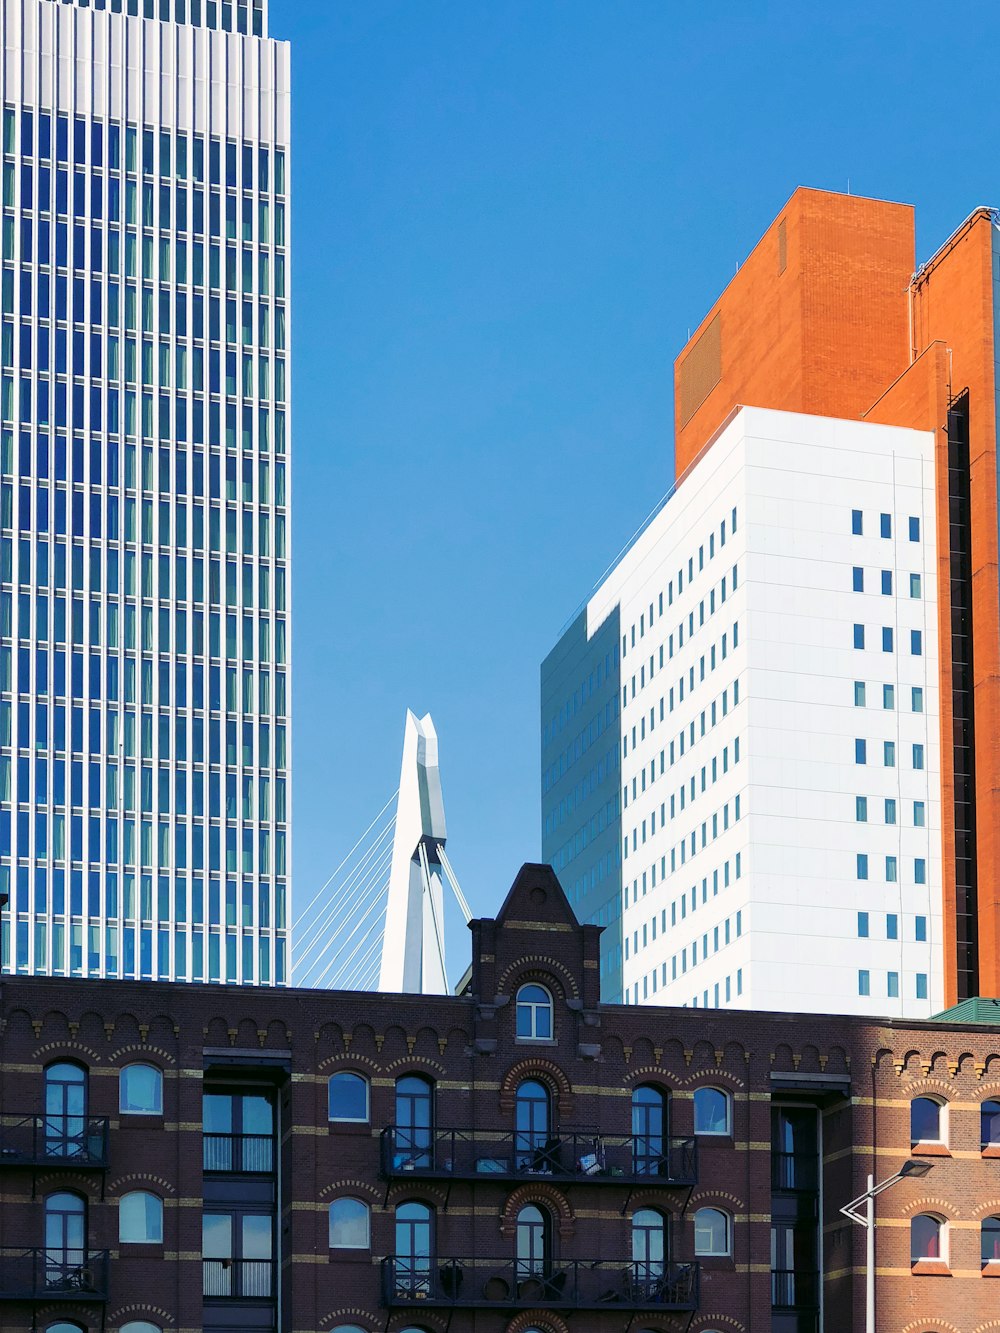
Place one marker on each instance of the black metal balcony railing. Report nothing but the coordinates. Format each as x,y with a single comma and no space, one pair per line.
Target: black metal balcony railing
794,1172
794,1289
596,1158
53,1275
580,1285
246,1278
52,1140
244,1154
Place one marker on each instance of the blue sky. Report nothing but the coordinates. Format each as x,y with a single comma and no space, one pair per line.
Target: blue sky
507,217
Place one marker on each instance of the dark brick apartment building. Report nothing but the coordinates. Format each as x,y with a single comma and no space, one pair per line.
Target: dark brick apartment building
515,1159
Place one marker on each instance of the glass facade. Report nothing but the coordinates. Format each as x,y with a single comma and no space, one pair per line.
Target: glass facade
581,781
144,639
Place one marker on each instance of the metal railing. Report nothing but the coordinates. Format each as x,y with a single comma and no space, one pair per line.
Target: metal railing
580,1284
596,1158
80,1142
795,1172
246,1278
794,1289
53,1274
245,1154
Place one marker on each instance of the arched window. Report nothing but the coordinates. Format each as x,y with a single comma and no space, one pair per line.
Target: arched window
140,1218
414,1249
414,1123
349,1097
649,1251
65,1110
712,1233
348,1328
533,1126
712,1111
65,1236
927,1117
349,1225
140,1326
991,1240
534,1242
927,1238
989,1124
140,1090
68,1328
648,1126
534,1013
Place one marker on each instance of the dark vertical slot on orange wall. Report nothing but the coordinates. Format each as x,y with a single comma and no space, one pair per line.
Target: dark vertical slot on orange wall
963,699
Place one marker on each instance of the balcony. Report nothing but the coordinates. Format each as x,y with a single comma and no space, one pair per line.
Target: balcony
595,1159
794,1173
794,1289
39,1275
480,1284
75,1142
239,1154
238,1279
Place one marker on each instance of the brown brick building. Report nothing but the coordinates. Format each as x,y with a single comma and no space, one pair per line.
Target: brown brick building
515,1158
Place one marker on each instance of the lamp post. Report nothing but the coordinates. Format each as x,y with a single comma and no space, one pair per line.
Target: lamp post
866,1219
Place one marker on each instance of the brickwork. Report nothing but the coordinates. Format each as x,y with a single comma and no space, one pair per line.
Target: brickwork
860,1074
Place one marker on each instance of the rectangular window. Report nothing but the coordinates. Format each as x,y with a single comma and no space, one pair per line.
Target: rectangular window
890,810
893,980
892,926
888,696
921,985
918,756
859,694
859,579
864,982
861,809
862,925
859,636
916,643
919,814
920,929
887,582
915,585
857,524
860,751
914,529
885,525
917,699
890,870
862,865
920,871
889,754
887,638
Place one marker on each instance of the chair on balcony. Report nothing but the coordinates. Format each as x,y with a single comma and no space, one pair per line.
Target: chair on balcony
451,1276
547,1159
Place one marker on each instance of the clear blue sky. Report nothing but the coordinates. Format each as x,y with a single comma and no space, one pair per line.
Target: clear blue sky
507,216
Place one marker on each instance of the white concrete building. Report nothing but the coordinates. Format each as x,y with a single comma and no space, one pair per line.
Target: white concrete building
144,653
779,749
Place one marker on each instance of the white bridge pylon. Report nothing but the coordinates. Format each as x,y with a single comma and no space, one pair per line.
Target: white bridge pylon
413,943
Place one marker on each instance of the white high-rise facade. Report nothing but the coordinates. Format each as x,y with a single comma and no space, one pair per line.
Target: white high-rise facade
778,812
144,649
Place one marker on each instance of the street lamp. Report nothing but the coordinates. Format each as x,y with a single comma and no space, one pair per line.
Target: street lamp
866,1219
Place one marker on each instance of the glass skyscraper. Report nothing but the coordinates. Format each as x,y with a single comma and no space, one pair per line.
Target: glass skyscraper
144,431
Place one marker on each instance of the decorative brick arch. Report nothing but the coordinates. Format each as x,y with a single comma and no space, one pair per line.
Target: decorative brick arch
537,1192
548,1072
929,1325
543,1319
153,1314
538,967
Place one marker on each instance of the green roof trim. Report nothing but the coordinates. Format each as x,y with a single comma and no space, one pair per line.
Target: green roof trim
977,1009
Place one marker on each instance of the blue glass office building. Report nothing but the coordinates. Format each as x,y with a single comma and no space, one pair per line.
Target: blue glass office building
144,641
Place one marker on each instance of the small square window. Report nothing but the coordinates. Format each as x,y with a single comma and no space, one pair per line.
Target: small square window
859,636
917,699
862,866
921,985
889,754
914,529
857,524
859,579
920,929
920,871
887,582
860,751
915,585
864,982
862,925
888,696
890,810
916,643
885,525
861,809
892,926
919,814
887,638
893,980
859,694
890,871
918,756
